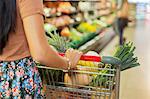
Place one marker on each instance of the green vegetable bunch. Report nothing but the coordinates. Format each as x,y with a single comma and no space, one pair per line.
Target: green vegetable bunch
58,42
126,54
101,79
124,57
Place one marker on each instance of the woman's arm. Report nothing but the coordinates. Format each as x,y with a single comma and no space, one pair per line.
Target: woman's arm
38,44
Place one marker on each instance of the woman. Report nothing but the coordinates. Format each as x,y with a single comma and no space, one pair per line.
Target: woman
121,21
22,36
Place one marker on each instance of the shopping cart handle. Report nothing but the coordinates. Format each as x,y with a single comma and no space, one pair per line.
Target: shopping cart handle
87,58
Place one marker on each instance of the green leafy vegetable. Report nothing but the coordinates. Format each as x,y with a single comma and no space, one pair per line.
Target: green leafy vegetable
58,42
126,54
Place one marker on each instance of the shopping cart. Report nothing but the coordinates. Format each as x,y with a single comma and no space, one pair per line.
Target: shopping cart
92,80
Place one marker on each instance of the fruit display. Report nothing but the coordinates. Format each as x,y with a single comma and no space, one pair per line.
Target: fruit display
57,9
76,36
72,22
65,32
87,28
49,27
65,7
58,42
49,11
60,21
100,23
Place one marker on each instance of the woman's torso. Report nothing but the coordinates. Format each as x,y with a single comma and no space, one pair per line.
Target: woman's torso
17,46
124,11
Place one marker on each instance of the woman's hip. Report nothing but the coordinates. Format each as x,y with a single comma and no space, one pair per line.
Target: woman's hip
18,67
21,75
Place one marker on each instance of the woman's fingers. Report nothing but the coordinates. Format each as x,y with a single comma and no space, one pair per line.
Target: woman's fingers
77,57
68,52
73,56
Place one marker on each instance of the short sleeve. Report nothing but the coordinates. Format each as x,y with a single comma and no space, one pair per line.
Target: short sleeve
30,7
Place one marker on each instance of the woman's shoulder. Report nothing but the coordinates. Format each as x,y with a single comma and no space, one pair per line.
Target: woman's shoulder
30,7
28,2
34,1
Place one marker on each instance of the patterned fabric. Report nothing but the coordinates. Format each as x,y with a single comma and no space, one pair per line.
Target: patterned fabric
20,80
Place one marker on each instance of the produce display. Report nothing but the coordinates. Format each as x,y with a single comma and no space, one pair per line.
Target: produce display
60,21
58,42
86,27
57,9
73,21
79,36
49,28
66,7
65,32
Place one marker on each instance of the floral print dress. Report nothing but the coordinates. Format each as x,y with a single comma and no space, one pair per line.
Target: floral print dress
20,80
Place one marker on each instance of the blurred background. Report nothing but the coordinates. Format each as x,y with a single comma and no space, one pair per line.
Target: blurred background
91,25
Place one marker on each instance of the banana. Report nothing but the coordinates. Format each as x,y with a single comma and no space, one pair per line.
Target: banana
88,63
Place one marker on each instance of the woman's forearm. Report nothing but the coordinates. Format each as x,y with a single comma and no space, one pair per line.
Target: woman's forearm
38,44
51,58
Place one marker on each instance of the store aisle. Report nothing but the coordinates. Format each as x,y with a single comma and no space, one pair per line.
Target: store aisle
135,83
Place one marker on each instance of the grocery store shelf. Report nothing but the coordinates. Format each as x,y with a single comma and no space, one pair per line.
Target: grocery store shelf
69,25
63,14
107,14
92,41
85,39
74,0
99,42
79,11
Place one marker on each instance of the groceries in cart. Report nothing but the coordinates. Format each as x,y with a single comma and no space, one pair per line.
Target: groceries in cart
95,77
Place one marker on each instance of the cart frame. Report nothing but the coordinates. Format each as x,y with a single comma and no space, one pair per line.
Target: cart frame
116,87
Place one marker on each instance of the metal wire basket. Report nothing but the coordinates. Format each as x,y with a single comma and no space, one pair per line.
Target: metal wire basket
98,81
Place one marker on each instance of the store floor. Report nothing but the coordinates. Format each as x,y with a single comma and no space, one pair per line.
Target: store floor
135,82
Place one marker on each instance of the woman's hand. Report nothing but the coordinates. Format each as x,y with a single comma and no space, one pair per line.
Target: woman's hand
73,56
